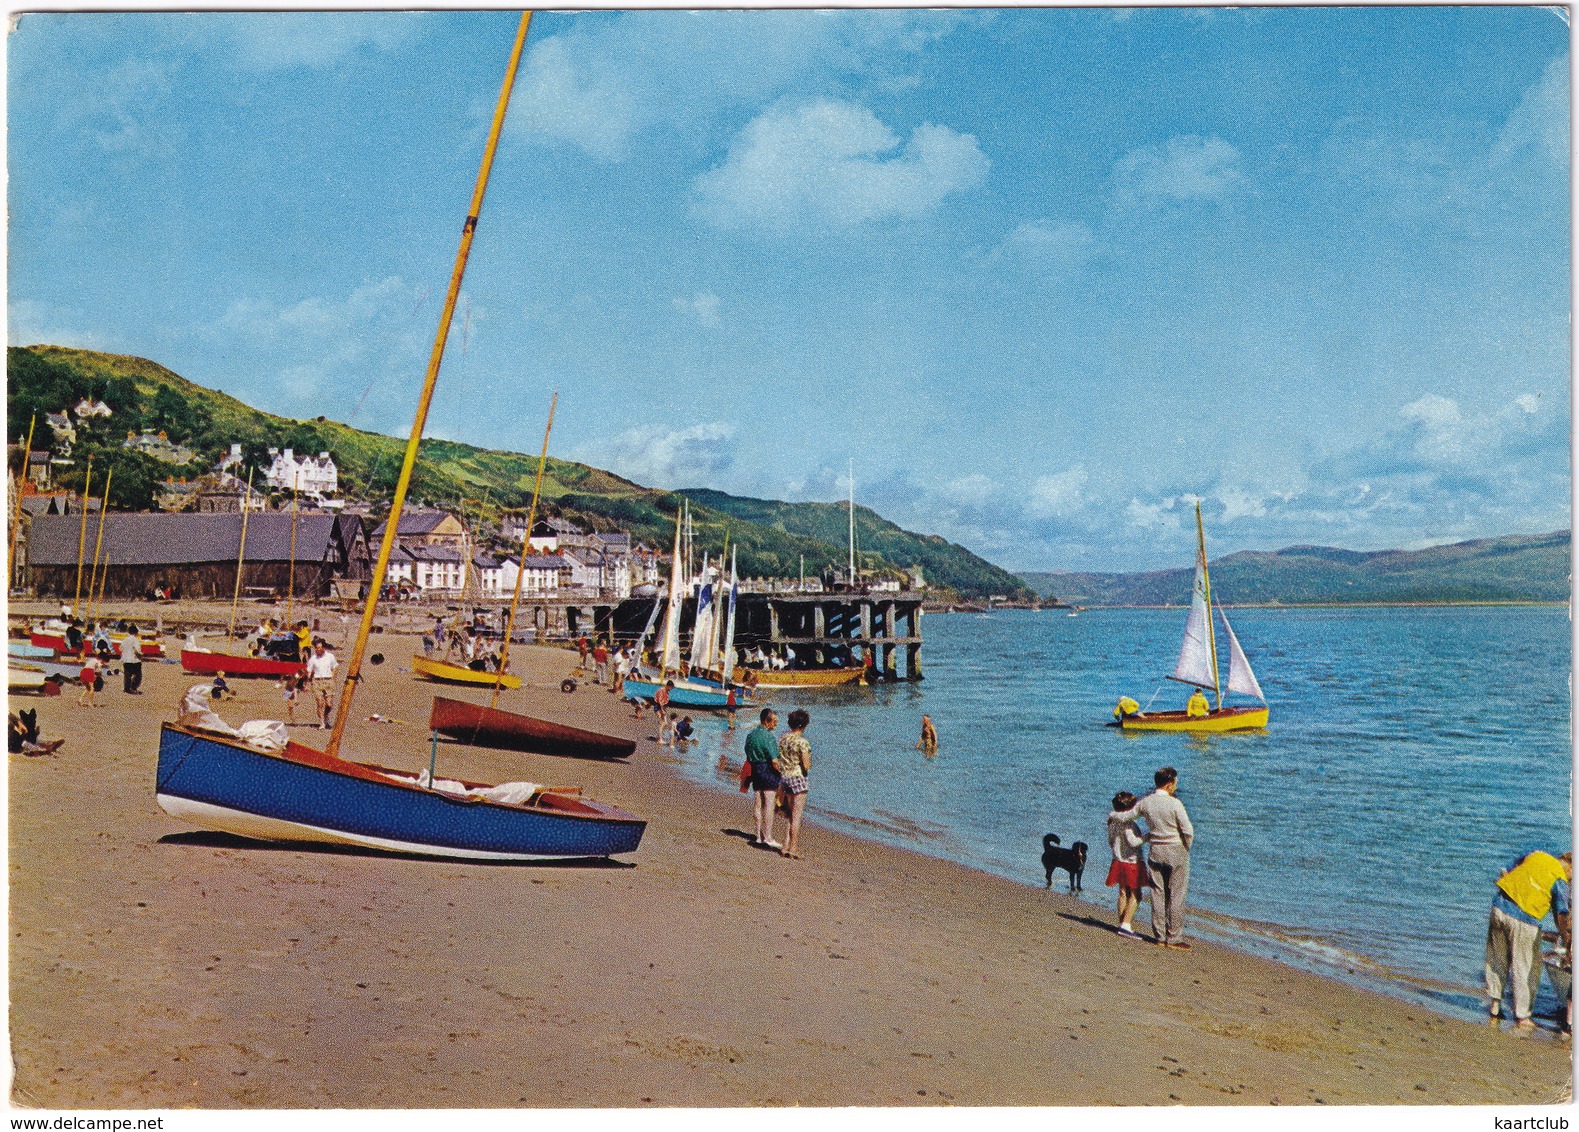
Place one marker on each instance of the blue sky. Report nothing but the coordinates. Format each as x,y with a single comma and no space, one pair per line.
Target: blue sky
1045,276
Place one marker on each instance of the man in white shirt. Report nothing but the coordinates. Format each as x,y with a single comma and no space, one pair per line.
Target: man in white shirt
321,666
1169,835
131,662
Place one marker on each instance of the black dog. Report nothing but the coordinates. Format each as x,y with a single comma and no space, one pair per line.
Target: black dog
1072,860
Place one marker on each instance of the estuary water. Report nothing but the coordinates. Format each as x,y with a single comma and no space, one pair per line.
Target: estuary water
1412,752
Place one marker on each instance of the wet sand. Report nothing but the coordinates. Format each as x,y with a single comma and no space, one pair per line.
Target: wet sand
157,966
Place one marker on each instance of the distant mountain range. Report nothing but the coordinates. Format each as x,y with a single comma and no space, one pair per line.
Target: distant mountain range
773,537
1511,568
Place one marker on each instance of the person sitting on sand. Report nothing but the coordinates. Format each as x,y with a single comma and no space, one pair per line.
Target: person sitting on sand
1128,870
929,736
1198,708
1529,888
22,736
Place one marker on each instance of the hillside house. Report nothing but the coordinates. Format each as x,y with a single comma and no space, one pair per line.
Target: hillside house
425,527
158,446
305,475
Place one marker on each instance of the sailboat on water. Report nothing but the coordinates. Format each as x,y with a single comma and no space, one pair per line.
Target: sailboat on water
1198,666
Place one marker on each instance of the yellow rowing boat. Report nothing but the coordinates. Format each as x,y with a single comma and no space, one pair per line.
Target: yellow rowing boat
808,677
457,674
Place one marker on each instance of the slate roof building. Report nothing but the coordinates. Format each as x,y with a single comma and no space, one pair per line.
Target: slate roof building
197,553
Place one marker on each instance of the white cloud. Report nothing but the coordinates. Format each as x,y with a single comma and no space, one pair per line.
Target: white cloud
975,490
1529,402
610,77
1045,248
1057,495
1186,168
832,162
272,41
1541,119
703,306
30,323
1154,516
660,456
582,102
319,343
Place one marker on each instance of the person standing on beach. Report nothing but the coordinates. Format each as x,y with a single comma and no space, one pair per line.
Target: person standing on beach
600,661
1128,871
131,662
89,678
794,764
761,752
660,705
1169,835
321,667
1529,888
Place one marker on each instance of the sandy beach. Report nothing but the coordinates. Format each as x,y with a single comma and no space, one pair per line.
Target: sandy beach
153,965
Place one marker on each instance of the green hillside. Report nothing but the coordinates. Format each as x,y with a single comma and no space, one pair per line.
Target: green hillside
876,539
772,537
1511,568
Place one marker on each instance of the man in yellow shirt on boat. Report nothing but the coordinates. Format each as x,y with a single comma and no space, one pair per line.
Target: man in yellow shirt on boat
1529,888
1198,708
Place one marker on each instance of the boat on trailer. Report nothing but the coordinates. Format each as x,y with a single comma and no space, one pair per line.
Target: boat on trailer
512,731
303,794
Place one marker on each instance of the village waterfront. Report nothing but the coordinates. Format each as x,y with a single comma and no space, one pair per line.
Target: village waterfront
1412,753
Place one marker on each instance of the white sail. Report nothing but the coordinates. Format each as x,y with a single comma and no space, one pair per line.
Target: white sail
1240,677
728,655
702,633
669,661
1197,653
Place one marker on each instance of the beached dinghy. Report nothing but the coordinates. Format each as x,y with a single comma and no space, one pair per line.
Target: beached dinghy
511,731
147,646
204,662
810,677
685,693
446,673
302,794
61,670
1198,666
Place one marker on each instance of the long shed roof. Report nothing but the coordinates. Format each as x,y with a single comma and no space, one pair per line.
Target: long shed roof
159,539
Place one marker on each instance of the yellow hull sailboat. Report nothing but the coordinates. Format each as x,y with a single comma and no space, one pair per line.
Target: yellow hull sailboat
457,674
1197,666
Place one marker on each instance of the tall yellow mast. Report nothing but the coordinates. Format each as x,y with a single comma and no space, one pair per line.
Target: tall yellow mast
82,538
468,230
526,547
98,545
21,481
1206,582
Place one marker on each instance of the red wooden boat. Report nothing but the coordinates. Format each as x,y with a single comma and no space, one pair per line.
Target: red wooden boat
511,731
148,646
203,663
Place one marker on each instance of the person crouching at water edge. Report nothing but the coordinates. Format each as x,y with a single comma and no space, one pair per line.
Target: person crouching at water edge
794,764
1128,871
1527,890
762,776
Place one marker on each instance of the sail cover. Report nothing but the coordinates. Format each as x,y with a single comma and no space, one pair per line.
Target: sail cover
1195,655
702,643
1240,676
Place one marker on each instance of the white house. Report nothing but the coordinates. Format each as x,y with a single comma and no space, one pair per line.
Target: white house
87,407
307,475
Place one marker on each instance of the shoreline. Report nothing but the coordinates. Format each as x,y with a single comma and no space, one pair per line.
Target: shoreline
157,966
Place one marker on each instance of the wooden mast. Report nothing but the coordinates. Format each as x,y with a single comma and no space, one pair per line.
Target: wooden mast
526,546
468,230
82,538
241,555
1206,582
21,482
98,544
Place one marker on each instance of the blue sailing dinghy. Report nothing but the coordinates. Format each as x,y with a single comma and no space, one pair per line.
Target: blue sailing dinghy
302,794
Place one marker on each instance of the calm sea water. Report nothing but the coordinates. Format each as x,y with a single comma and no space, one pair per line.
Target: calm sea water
1411,753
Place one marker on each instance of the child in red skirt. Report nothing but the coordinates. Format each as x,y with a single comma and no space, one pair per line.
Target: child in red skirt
1128,870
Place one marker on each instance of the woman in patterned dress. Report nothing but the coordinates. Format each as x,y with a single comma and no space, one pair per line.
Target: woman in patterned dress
794,764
